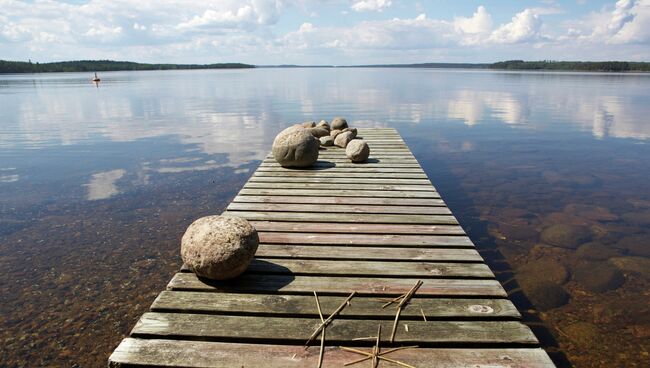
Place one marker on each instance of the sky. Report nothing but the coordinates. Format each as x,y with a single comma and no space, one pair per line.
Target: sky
316,32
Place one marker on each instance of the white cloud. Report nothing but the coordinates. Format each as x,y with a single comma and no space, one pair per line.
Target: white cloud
370,5
475,27
525,26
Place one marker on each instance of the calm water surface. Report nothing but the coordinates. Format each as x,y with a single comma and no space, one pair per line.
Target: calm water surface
98,184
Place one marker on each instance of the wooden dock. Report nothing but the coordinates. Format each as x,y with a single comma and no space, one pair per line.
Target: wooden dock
374,228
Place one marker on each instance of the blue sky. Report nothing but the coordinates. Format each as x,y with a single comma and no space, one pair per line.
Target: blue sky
339,32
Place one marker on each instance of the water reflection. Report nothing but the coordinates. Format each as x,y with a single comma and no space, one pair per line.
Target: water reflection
106,179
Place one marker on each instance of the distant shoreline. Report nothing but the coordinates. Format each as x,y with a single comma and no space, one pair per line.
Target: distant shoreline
110,65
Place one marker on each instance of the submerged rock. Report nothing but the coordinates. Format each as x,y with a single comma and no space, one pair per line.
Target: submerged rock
565,236
343,139
339,123
357,151
326,141
636,245
219,247
545,270
638,266
295,147
637,218
598,277
594,251
544,295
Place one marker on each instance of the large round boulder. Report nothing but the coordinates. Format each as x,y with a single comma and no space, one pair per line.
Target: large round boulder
594,251
598,276
357,150
343,139
566,236
295,147
334,133
326,141
636,245
308,124
219,247
353,130
545,270
339,123
545,295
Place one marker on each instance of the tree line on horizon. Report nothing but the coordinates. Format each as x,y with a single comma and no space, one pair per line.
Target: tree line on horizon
103,66
110,65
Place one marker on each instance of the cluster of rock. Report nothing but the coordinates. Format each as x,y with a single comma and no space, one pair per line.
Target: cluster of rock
298,145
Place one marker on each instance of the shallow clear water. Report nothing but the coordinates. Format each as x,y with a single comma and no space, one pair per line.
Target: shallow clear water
98,184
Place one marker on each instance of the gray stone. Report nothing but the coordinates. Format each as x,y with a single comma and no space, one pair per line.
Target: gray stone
323,124
339,123
318,132
334,132
357,150
343,139
598,276
594,251
219,247
566,236
326,141
353,130
295,147
308,124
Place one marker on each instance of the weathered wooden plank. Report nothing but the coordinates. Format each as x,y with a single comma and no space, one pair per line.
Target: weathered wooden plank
365,239
369,268
283,284
298,330
349,165
371,201
340,193
303,306
344,217
203,354
318,174
367,253
343,180
350,170
421,188
323,227
338,208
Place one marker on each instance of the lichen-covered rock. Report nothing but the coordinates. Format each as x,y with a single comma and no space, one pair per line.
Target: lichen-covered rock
295,147
308,124
326,141
343,139
334,132
339,123
353,130
545,295
598,276
323,124
318,132
566,236
357,150
219,247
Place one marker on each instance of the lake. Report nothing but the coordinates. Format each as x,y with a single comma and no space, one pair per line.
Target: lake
547,172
